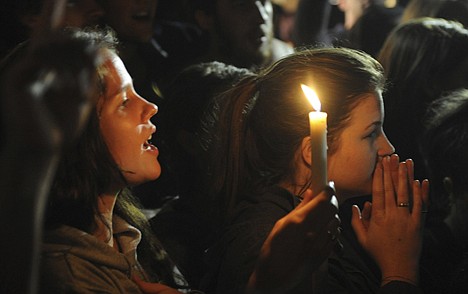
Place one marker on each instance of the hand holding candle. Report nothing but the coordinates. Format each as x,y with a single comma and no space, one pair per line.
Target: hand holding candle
318,141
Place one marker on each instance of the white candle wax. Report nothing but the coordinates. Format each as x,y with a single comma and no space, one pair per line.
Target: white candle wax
318,141
318,144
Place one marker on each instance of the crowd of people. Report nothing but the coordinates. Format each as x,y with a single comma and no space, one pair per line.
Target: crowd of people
156,146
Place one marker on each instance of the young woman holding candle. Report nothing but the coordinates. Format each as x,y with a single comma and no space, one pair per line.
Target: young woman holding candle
93,228
262,166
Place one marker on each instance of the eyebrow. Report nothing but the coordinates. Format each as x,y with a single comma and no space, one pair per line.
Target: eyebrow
374,124
120,90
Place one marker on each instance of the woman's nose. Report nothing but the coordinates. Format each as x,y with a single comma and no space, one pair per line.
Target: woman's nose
385,148
150,110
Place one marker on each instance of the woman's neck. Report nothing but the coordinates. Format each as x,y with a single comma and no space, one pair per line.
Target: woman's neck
103,231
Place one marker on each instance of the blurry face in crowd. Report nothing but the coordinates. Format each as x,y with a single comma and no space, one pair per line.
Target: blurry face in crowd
131,19
360,145
81,13
124,119
246,28
352,5
77,13
353,10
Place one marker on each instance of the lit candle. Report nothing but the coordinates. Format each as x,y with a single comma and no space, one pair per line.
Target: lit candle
318,141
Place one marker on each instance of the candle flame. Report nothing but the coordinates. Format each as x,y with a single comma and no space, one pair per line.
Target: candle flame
312,97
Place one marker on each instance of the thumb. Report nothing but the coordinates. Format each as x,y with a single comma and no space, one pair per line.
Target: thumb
307,196
357,224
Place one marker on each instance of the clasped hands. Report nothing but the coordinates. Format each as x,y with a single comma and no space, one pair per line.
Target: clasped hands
390,229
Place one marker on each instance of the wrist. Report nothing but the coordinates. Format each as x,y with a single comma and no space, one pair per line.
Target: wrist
402,273
388,279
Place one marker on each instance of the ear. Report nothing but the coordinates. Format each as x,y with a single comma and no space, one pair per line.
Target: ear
306,151
203,20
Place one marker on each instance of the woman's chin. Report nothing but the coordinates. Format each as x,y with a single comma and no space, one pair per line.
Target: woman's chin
135,180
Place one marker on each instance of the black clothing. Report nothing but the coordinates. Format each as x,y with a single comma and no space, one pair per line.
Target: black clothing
233,258
444,264
185,235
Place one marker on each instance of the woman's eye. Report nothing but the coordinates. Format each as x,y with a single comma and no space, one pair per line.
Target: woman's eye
372,135
125,100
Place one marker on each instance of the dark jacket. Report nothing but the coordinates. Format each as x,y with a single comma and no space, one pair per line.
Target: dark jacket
444,263
233,258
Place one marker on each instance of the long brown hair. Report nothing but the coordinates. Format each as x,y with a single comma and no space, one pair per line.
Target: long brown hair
87,170
265,118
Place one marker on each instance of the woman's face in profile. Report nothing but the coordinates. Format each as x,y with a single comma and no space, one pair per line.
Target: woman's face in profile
124,119
360,145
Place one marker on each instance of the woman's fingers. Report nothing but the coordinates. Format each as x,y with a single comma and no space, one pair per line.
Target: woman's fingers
410,168
394,164
388,184
358,225
308,194
403,197
420,197
366,214
425,194
389,230
393,184
378,193
417,200
366,211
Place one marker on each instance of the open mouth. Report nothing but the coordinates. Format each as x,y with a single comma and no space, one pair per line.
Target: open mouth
147,145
